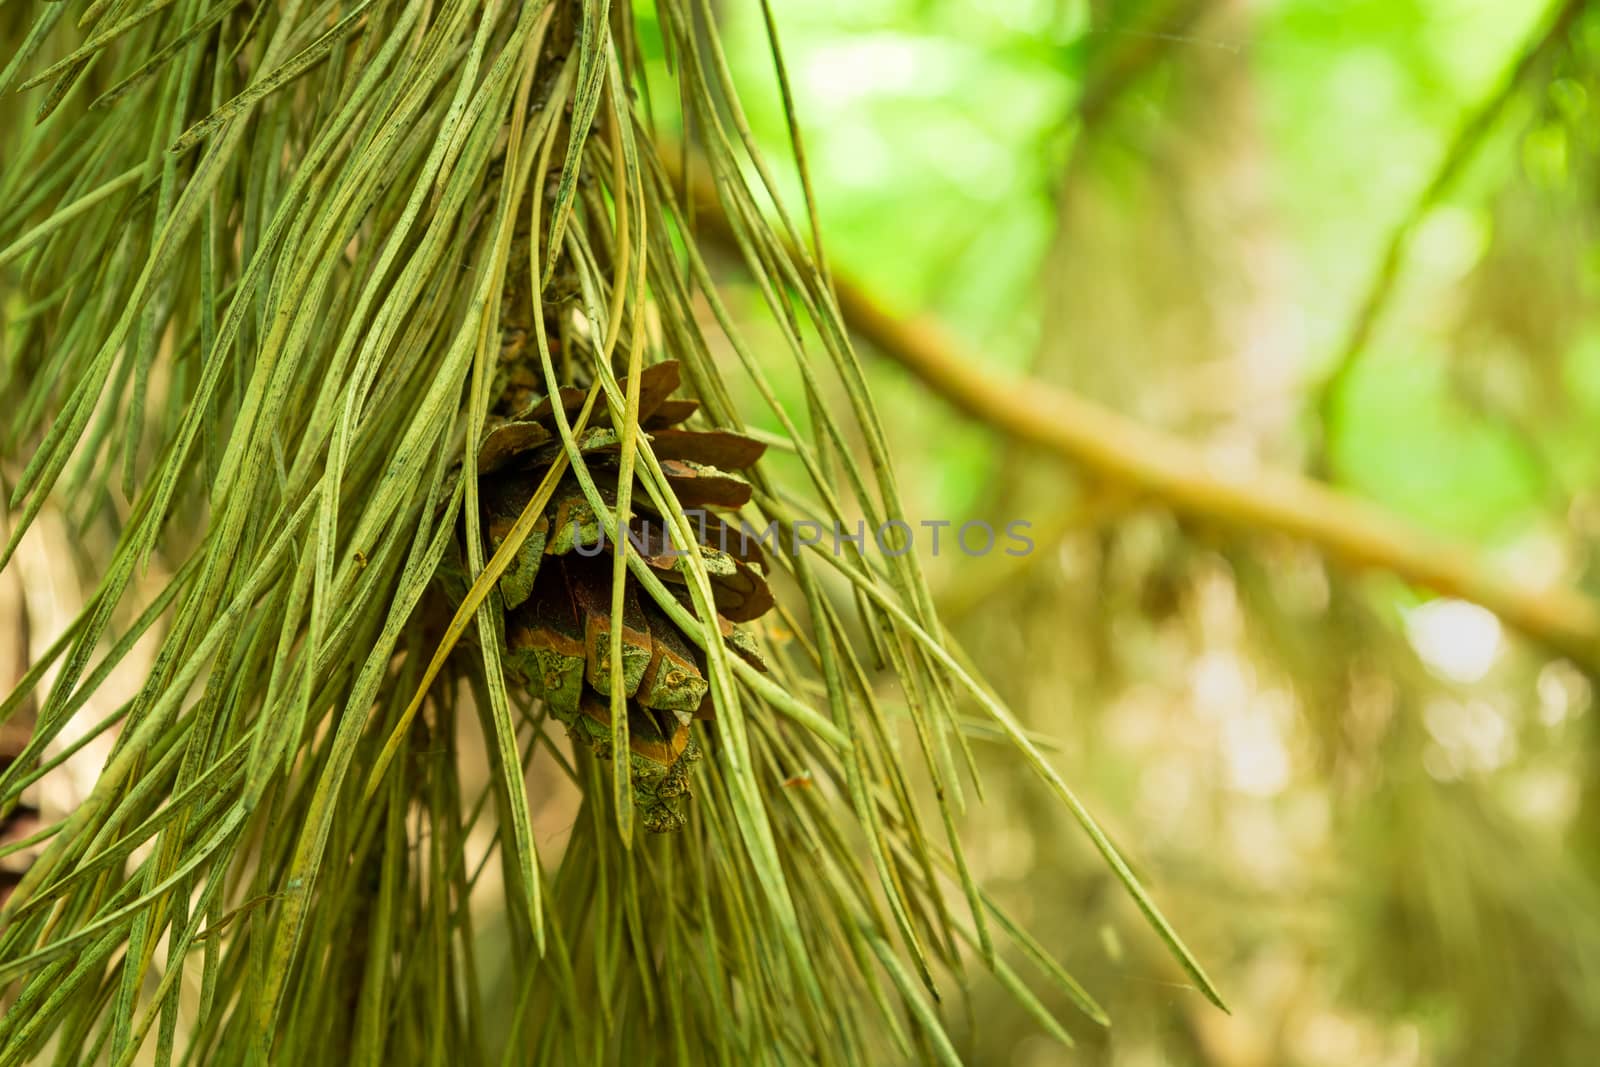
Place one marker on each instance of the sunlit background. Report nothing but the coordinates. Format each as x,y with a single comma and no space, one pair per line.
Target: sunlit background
1369,811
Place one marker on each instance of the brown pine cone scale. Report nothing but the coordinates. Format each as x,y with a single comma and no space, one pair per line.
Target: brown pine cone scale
557,591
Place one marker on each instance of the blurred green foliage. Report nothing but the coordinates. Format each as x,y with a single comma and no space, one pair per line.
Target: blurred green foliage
1367,810
937,135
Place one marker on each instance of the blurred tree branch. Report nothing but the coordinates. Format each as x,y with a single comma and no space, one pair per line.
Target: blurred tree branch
1181,475
1469,135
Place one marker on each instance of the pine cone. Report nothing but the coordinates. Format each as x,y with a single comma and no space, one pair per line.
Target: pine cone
21,820
557,590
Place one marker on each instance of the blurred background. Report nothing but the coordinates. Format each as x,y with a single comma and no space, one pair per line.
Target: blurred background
1370,811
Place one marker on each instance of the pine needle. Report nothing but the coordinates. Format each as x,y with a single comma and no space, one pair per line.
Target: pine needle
259,265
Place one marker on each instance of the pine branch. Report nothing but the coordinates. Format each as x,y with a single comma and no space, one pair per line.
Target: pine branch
391,232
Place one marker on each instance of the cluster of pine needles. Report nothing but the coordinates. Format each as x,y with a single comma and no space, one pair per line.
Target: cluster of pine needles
254,258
